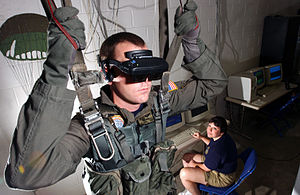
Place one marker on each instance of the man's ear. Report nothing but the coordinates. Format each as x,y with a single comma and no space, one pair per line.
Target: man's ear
115,80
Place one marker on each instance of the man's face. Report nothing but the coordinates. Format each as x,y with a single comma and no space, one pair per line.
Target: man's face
213,131
124,89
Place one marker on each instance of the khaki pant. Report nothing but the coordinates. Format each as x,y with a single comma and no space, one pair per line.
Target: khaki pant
214,178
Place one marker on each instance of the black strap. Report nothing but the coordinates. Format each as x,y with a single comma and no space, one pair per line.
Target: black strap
124,148
162,108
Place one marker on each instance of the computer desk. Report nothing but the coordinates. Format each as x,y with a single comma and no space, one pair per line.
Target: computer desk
266,96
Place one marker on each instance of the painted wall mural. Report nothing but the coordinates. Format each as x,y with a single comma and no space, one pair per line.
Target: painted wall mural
23,43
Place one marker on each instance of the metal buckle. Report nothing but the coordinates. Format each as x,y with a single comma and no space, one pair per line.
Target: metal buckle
74,78
96,117
164,102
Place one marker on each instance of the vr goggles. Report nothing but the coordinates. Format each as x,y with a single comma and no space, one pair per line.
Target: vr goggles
140,66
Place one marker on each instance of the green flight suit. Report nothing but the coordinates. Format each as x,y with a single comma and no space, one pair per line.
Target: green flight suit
48,145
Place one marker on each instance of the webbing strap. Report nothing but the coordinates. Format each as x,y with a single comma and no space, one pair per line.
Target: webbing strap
166,52
94,123
163,161
95,127
162,108
81,80
101,141
85,98
124,148
158,123
141,148
173,51
88,77
163,29
164,101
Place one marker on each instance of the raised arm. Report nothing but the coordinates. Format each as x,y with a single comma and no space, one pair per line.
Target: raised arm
209,77
46,146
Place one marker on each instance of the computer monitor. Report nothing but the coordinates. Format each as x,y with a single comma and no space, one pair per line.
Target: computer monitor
196,114
259,73
174,122
273,73
242,87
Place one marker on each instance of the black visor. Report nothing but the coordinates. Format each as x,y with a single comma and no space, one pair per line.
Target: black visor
141,65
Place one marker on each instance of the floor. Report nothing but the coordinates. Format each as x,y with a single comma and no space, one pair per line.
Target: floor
278,158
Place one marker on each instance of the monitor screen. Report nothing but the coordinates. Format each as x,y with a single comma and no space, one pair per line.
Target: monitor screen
273,73
174,122
196,114
259,73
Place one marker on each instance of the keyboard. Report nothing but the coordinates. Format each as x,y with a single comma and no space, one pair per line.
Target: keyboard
184,136
267,90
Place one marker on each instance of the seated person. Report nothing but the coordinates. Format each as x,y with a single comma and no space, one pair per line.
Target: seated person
217,167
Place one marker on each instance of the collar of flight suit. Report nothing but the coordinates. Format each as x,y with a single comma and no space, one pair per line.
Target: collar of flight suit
105,100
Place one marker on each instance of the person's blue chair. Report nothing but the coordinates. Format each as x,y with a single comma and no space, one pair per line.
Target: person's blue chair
249,158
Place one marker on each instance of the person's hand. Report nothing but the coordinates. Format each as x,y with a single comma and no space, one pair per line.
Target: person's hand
187,24
186,20
66,16
61,53
192,163
197,135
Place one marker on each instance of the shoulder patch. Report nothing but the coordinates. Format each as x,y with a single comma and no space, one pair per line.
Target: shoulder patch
172,86
118,120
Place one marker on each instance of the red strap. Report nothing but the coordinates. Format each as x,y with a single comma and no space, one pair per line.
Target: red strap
197,23
61,27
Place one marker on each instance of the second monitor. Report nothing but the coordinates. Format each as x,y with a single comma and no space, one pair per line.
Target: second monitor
196,114
273,73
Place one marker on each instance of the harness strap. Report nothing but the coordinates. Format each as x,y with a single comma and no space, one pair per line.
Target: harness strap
158,124
163,161
142,148
124,148
87,77
94,122
173,51
162,108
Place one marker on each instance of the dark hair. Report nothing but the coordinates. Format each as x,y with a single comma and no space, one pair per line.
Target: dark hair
219,122
107,50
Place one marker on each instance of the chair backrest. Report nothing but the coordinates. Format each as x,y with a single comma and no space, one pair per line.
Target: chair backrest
249,158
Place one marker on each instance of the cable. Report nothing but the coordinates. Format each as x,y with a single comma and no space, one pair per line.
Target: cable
130,6
93,34
226,30
60,26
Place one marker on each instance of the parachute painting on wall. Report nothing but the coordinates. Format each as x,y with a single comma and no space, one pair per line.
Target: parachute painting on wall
23,43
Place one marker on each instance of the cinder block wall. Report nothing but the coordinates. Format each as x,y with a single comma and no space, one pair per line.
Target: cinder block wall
240,24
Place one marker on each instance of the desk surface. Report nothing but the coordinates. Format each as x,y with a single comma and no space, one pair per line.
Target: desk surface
270,94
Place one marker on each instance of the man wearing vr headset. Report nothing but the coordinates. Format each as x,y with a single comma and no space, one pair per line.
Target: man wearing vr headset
48,145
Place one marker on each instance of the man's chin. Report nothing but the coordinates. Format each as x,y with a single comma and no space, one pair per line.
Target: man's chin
143,98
